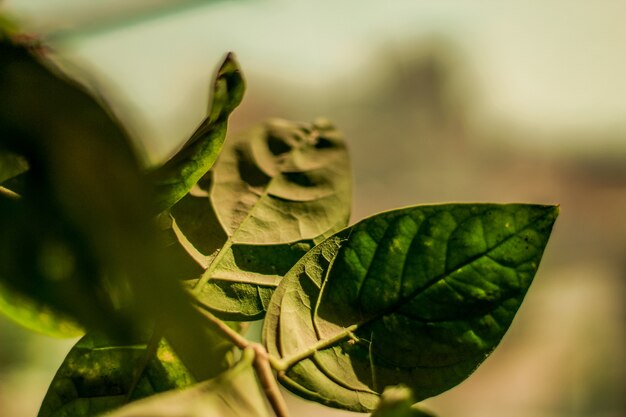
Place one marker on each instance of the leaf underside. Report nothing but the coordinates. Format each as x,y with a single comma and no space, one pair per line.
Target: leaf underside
417,296
275,192
236,393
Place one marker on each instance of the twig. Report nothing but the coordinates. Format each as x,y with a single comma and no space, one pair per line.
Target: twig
239,341
263,362
268,382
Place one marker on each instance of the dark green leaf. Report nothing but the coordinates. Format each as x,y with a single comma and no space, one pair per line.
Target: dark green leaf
417,296
11,165
176,177
397,401
235,393
81,238
99,376
274,192
23,310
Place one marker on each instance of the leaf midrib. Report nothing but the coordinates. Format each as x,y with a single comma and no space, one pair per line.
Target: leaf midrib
209,271
345,333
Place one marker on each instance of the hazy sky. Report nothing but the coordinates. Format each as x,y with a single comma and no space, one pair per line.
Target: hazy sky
542,65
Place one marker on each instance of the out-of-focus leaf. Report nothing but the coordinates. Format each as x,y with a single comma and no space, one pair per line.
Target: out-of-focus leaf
8,26
397,401
176,177
11,165
99,376
36,317
236,393
417,296
81,238
275,191
22,310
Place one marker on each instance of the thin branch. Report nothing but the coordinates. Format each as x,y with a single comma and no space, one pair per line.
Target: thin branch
268,381
263,362
239,341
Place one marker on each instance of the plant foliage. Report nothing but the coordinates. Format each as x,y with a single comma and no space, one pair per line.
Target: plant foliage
400,306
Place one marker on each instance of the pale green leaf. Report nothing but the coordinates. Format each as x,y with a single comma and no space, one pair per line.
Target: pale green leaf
417,296
275,191
37,317
176,177
236,393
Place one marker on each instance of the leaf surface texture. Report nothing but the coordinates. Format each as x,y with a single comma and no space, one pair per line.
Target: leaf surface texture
417,296
236,393
275,191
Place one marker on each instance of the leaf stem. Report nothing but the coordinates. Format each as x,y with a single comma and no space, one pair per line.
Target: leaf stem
263,361
206,275
262,365
237,339
285,364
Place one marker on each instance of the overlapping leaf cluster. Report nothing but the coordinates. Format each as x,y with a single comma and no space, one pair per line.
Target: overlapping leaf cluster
417,296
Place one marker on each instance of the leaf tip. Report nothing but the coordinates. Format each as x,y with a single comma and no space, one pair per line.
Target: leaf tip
555,210
228,88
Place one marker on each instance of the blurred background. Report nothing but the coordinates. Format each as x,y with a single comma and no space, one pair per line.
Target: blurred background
440,101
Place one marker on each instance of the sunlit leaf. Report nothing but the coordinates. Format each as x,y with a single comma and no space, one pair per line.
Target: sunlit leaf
176,177
417,296
275,191
236,393
98,376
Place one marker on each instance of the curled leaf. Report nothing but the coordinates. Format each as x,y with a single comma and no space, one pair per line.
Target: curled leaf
274,193
176,177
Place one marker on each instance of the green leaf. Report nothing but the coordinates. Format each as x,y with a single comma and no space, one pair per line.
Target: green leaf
36,317
81,239
275,192
176,177
8,26
98,376
11,165
22,310
397,401
235,393
417,296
